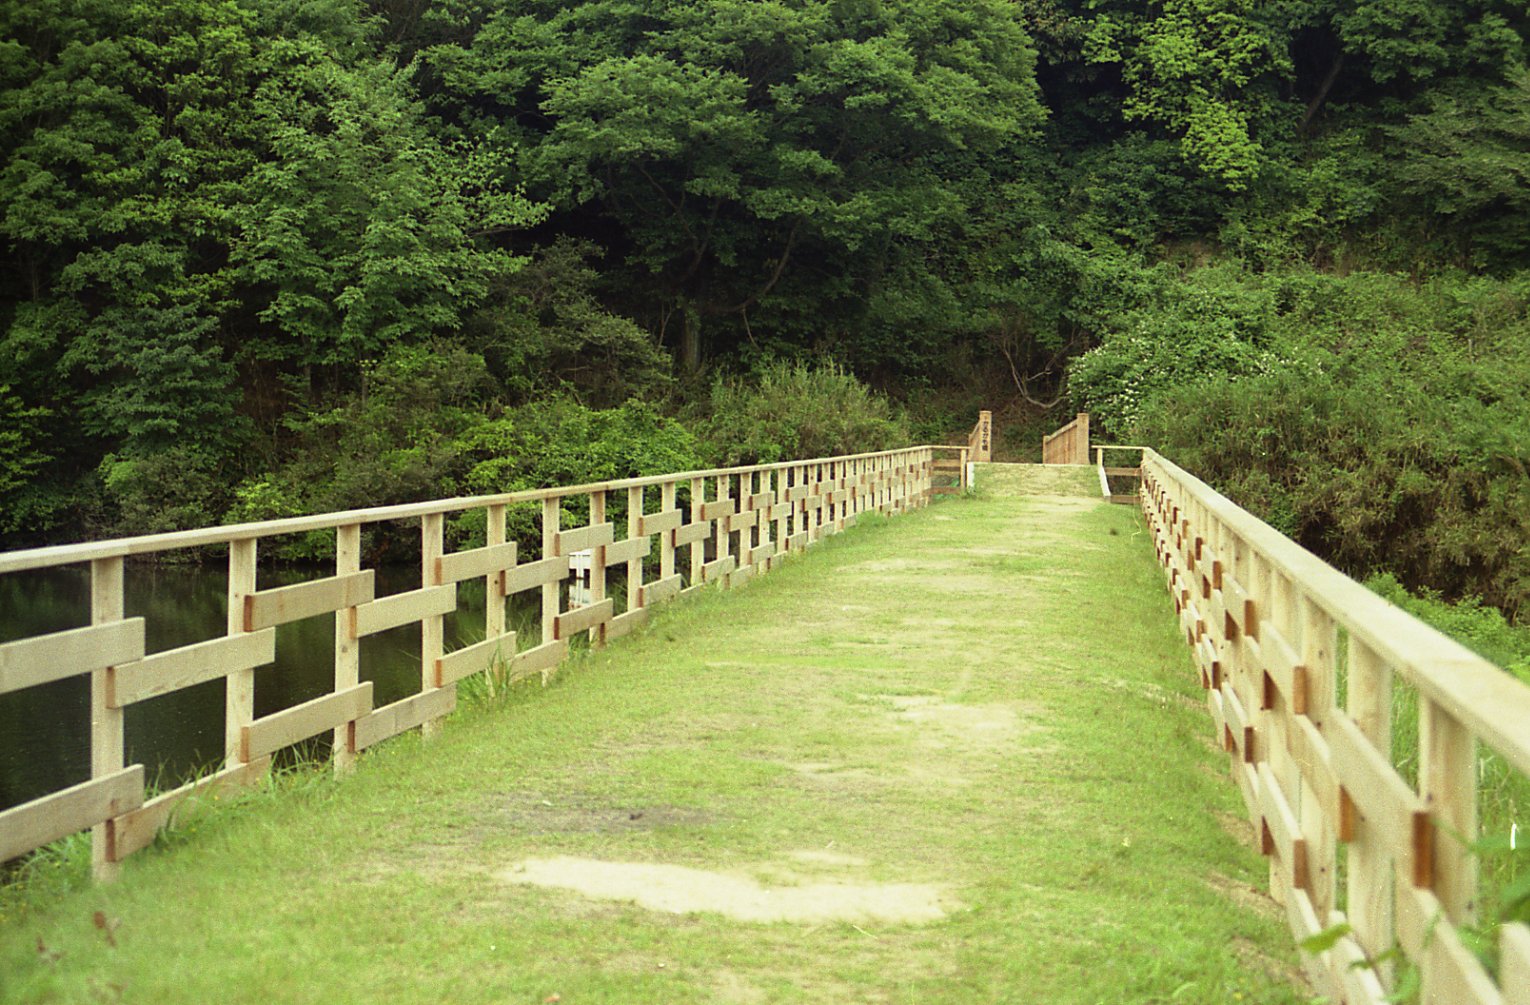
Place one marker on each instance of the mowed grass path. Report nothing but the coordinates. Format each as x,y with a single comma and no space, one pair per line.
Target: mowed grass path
983,702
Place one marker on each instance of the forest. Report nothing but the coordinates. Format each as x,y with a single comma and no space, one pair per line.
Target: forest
268,257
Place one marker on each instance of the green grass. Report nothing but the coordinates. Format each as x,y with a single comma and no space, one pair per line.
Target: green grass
988,695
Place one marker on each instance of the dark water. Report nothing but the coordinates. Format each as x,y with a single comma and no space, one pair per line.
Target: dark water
45,730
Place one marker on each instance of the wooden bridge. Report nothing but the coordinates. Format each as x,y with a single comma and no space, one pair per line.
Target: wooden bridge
999,651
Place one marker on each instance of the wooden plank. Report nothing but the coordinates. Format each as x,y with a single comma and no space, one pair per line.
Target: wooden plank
46,658
584,538
762,500
267,608
1309,750
1453,974
1237,722
1124,472
404,608
624,623
416,710
582,618
743,521
717,569
540,573
657,592
1285,832
1303,921
484,561
135,830
797,541
797,492
174,669
741,575
658,523
1392,811
34,824
471,659
540,658
630,550
697,530
718,507
281,729
1514,963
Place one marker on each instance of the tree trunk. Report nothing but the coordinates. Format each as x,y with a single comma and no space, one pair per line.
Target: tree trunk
690,339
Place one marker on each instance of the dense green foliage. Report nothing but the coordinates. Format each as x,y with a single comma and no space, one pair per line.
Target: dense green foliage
261,256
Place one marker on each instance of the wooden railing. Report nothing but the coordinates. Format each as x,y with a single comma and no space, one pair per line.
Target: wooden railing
1300,664
1069,445
1107,472
738,521
980,439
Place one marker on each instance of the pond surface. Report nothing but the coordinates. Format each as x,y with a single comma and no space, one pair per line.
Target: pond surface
45,730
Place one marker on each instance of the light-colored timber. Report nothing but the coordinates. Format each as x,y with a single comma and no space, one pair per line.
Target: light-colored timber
404,608
471,659
407,713
46,658
291,725
479,562
29,825
268,608
1265,620
174,669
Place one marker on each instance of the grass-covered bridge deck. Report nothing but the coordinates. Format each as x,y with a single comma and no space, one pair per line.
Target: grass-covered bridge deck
958,756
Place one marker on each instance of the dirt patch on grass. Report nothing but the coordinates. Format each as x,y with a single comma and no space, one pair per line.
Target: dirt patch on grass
1251,957
1249,898
674,889
548,817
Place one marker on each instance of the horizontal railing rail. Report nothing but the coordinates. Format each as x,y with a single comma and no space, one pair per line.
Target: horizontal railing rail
737,521
1300,664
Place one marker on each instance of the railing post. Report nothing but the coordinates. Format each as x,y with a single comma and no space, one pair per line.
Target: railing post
494,583
597,633
107,740
433,627
697,548
239,693
667,540
666,553
552,601
1368,695
347,646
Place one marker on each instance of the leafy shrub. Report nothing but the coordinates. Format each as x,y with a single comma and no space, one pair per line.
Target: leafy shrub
787,411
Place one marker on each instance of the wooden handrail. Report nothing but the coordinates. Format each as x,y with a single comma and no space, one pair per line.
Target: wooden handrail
1273,629
769,510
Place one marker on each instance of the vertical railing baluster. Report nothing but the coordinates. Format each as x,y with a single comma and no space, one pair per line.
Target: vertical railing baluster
597,634
697,548
494,583
1369,881
635,565
347,646
107,739
432,628
551,600
1447,780
1318,673
720,527
239,693
666,540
